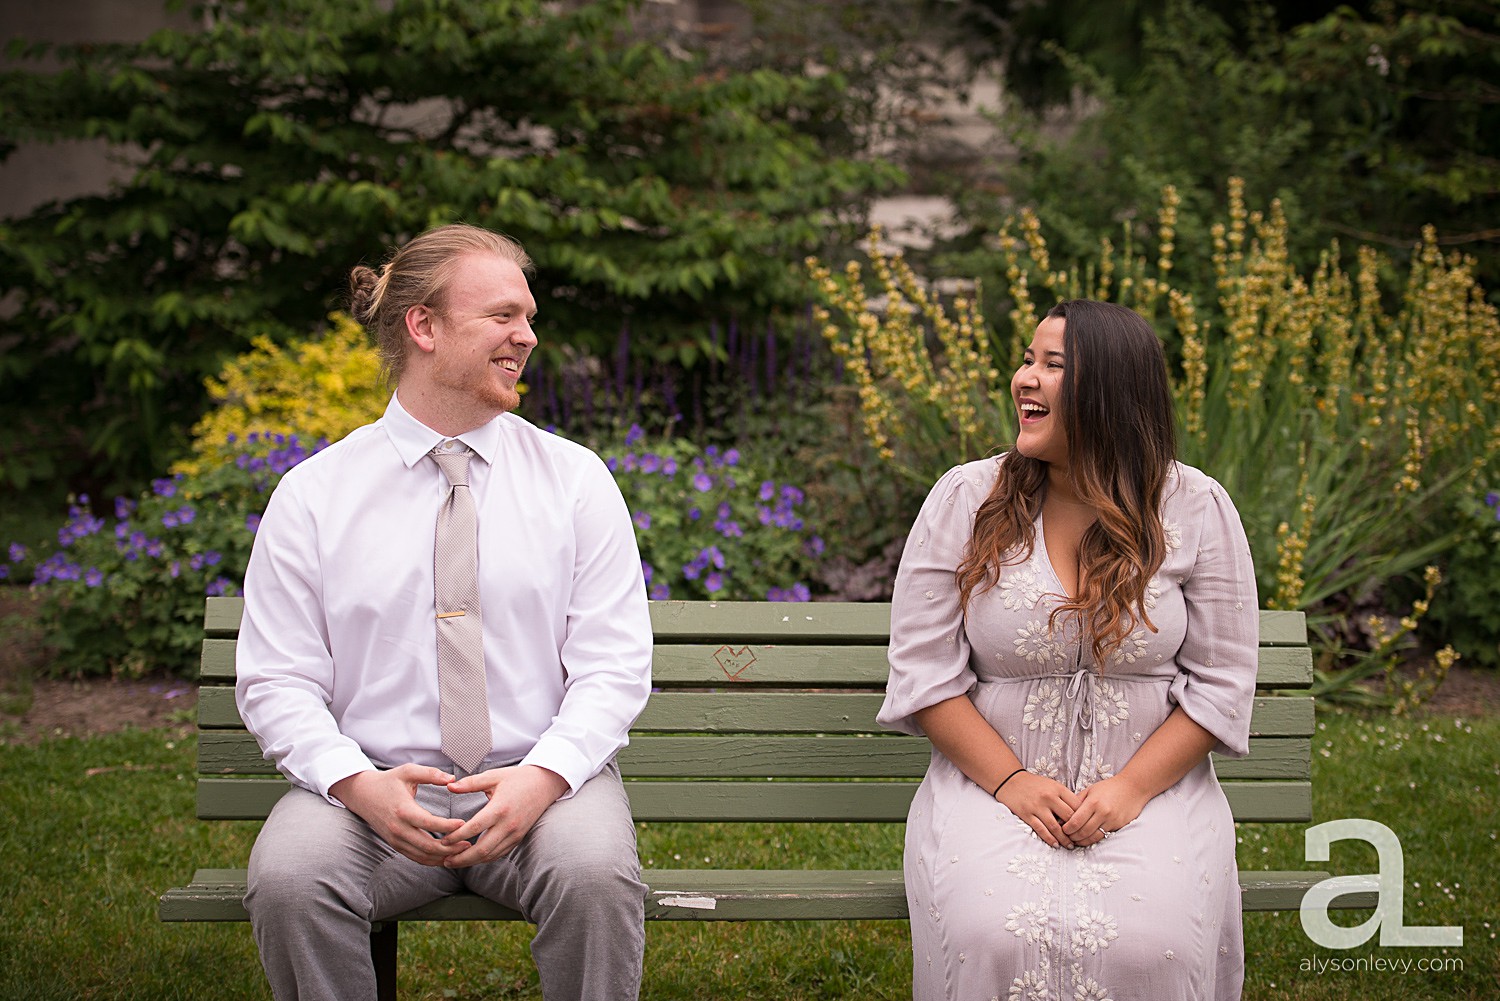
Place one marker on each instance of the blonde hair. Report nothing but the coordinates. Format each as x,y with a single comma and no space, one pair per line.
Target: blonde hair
418,274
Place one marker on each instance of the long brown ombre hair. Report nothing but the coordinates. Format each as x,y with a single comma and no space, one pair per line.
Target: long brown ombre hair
1120,427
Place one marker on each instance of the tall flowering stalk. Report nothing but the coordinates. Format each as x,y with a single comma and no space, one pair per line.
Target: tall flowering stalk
924,372
1337,426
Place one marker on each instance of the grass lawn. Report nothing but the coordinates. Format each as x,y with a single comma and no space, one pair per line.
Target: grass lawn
95,828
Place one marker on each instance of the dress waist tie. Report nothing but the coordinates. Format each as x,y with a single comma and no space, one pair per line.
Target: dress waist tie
1080,691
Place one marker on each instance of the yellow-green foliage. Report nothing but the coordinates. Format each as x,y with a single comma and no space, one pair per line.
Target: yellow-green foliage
322,387
1338,427
908,394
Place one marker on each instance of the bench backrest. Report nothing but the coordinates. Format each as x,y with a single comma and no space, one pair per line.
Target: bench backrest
766,711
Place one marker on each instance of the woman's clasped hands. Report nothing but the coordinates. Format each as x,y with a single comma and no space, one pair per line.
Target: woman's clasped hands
1065,819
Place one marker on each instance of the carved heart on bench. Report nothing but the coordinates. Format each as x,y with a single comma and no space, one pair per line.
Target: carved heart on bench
734,662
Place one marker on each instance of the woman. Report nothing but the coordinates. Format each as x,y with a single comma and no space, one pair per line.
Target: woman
1074,628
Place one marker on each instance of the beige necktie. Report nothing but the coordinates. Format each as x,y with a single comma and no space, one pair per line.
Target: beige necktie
463,700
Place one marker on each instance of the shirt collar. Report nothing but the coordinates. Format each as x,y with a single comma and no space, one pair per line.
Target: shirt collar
413,439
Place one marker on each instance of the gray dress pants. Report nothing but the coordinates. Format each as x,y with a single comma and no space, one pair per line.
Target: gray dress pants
319,876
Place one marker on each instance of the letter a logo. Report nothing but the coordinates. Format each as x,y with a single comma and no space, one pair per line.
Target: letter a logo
1390,892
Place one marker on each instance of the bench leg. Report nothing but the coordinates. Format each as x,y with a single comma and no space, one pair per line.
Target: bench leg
383,952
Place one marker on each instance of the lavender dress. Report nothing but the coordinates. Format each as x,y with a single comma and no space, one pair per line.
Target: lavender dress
1153,911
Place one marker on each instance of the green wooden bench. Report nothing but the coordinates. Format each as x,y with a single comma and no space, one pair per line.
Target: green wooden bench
761,691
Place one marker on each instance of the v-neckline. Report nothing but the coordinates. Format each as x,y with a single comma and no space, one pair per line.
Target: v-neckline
1041,534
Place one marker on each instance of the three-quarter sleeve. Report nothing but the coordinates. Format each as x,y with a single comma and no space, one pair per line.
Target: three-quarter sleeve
929,650
1217,662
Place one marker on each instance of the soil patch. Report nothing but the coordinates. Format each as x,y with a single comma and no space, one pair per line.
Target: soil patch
34,708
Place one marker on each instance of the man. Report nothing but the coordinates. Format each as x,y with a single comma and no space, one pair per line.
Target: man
445,642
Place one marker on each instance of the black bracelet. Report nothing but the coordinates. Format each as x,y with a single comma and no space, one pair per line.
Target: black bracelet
1007,778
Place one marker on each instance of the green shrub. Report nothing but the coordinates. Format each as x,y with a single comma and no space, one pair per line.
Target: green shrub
1470,617
271,144
710,524
124,595
322,386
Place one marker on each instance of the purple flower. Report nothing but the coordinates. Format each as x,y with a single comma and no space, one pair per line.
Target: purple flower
694,513
123,507
767,490
1492,499
252,523
692,571
797,592
714,556
729,529
122,530
612,464
703,483
17,552
647,570
814,546
175,569
185,515
169,520
4,572
634,435
650,463
164,487
154,548
642,520
669,467
660,592
714,582
791,494
219,586
732,457
94,577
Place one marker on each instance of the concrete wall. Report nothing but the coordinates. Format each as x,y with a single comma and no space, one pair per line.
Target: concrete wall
38,173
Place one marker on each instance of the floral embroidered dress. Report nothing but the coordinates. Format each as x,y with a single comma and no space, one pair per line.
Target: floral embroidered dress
1153,911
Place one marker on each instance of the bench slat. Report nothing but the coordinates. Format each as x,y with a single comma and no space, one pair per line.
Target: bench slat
770,622
792,802
805,665
650,756
752,711
217,895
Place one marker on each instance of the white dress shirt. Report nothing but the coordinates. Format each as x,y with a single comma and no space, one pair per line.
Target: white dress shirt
337,656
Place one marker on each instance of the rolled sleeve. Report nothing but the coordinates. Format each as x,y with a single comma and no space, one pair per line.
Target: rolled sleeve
1217,662
929,649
